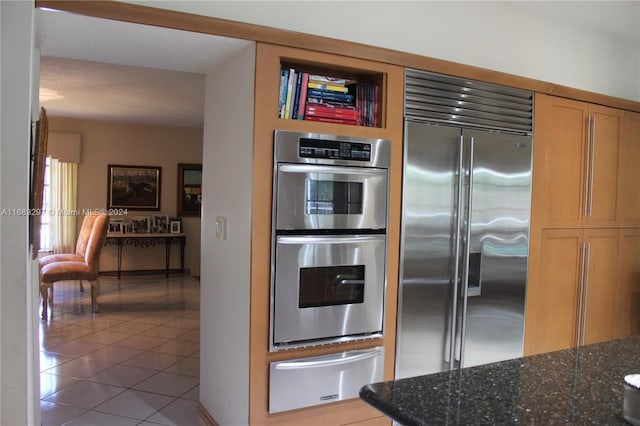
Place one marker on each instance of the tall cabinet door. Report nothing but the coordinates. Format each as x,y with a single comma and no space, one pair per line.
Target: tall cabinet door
627,308
629,172
557,290
559,159
602,165
576,163
599,285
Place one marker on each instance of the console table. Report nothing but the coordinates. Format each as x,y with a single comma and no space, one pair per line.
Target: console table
147,240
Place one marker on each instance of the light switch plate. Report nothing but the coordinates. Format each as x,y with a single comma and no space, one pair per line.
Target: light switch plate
221,228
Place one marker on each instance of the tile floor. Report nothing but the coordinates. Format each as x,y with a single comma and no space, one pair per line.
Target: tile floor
135,363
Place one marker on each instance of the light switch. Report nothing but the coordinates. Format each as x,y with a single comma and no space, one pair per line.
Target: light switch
221,228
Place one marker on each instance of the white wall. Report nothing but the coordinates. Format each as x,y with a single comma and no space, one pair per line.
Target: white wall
18,375
576,44
225,267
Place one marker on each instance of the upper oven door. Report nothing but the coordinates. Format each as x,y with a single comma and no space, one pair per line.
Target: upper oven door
312,196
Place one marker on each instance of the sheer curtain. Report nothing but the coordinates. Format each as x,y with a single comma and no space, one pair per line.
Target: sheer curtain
64,203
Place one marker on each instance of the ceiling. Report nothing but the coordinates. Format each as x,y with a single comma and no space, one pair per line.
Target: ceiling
99,69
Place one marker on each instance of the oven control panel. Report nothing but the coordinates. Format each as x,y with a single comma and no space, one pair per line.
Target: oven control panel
334,150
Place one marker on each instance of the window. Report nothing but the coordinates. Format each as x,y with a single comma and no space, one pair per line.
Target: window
45,217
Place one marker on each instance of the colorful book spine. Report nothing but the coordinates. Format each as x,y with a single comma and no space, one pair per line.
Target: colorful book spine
331,120
329,96
284,82
331,87
296,97
333,112
290,89
303,96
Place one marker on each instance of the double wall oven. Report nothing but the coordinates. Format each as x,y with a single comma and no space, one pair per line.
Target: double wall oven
329,238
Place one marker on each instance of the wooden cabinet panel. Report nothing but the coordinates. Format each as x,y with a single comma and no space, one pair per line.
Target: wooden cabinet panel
575,289
576,157
629,171
559,158
557,290
627,308
600,284
602,201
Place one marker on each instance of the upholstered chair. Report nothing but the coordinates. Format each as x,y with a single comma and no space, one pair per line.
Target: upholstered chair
81,248
81,269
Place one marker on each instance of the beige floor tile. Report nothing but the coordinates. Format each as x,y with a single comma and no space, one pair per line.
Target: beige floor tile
165,332
94,418
187,367
113,354
51,383
141,342
193,394
153,360
85,394
105,336
76,348
52,414
180,412
51,359
178,347
135,404
121,375
79,368
168,384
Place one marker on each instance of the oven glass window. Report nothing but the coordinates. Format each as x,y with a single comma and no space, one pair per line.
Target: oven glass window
333,197
331,285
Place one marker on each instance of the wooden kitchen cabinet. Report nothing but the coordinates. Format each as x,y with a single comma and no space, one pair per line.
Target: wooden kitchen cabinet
573,298
627,308
576,163
629,171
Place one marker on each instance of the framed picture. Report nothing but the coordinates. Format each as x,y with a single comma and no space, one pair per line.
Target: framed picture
189,189
133,187
140,224
159,223
175,227
116,226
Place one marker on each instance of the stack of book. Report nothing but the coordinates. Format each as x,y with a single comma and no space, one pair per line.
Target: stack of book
305,96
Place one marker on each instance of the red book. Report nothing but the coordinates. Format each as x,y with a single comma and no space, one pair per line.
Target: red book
331,120
332,112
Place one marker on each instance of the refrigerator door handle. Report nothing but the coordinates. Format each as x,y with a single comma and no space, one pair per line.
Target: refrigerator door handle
453,314
467,251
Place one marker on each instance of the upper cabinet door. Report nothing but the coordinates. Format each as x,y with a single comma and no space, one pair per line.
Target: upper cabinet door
575,163
559,178
603,142
629,172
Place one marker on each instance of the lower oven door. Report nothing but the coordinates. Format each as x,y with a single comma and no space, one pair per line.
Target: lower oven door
327,288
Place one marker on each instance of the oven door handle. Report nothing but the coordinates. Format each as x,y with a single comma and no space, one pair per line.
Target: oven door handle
330,239
350,282
334,170
333,361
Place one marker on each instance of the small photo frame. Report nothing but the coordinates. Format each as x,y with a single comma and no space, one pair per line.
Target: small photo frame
140,224
159,224
175,227
116,226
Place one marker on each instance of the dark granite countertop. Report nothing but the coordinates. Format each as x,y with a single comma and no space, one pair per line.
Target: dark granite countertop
577,386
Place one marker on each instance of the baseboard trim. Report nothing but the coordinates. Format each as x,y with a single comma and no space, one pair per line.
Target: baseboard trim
204,415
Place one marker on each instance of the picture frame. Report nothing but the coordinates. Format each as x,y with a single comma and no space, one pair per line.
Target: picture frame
133,187
189,189
140,224
116,226
159,224
175,227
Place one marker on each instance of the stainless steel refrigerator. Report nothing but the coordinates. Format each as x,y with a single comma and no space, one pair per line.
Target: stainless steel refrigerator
464,246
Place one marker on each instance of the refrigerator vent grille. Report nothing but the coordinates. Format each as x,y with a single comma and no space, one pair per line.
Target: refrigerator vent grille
441,98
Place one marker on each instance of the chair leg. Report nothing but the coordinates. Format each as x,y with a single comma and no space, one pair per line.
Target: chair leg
44,289
95,291
81,287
